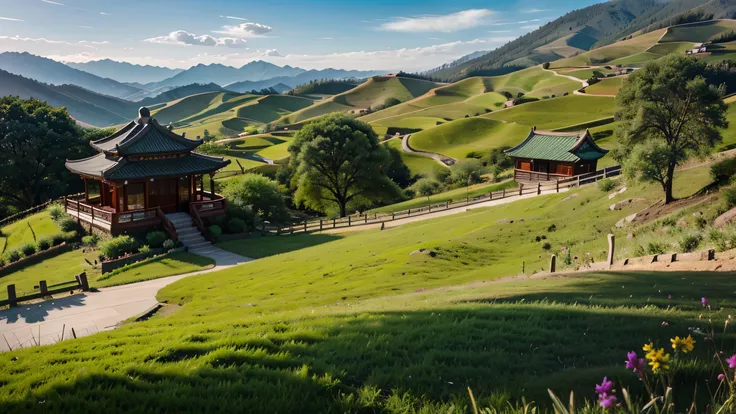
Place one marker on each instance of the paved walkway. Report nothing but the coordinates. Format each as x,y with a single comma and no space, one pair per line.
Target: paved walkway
92,312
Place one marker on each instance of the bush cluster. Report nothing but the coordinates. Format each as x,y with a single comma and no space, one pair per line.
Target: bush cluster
606,185
156,239
723,171
28,249
117,247
215,231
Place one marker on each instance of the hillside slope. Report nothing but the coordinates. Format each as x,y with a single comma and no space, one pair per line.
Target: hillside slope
49,71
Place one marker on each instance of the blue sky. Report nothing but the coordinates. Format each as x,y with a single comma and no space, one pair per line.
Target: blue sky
410,35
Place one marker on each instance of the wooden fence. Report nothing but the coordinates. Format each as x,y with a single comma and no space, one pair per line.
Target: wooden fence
42,290
375,218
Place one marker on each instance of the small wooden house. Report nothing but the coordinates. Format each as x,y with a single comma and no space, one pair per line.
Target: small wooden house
548,155
141,173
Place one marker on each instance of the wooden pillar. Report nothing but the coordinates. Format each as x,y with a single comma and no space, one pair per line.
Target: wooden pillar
83,283
320,224
44,288
539,188
86,191
521,188
611,248
192,188
114,202
558,185
305,226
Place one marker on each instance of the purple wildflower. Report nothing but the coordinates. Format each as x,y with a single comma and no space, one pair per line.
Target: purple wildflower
633,362
669,297
607,401
721,377
704,301
732,361
606,386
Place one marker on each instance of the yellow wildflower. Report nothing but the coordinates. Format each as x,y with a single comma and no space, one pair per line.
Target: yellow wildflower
648,347
658,359
683,345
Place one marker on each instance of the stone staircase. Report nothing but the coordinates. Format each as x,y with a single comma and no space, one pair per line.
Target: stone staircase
193,240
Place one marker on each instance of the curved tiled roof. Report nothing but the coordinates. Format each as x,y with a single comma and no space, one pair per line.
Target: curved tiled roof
137,138
558,146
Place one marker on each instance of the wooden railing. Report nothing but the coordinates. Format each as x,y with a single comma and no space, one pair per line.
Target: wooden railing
114,222
375,218
197,220
525,175
168,225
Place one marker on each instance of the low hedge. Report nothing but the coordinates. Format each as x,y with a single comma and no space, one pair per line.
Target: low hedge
36,258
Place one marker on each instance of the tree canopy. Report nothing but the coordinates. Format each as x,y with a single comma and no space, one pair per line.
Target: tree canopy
669,113
35,141
258,193
337,158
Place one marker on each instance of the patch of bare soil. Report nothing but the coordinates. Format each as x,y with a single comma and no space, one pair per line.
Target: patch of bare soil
660,209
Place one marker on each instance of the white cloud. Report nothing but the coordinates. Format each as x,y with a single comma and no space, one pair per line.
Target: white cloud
325,38
182,37
10,19
53,2
448,23
234,17
85,27
535,10
105,14
529,21
272,53
245,30
83,43
530,27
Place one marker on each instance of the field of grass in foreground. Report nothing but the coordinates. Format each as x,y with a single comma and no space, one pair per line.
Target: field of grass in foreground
64,267
18,233
354,324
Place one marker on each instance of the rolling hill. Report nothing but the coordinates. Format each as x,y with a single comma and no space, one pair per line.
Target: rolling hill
52,72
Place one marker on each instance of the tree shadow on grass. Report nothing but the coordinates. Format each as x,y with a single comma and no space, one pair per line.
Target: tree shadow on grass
418,358
260,247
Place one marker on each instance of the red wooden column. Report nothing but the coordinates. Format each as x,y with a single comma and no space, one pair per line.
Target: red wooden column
86,192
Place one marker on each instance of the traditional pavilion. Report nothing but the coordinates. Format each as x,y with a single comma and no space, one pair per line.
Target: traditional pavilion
548,155
142,172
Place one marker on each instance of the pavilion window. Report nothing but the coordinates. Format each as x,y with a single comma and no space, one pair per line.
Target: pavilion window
136,194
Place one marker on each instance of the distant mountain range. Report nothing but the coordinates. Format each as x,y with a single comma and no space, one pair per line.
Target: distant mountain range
125,72
302,78
56,73
581,30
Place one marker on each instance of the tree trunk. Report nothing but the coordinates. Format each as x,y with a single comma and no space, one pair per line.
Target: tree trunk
343,208
668,197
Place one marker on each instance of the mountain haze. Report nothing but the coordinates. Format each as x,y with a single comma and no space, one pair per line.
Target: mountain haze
124,71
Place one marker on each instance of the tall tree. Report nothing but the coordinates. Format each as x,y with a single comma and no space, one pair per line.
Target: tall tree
669,113
337,158
35,141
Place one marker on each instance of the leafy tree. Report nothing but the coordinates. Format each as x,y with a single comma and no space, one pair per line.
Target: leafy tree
256,192
35,141
466,171
669,113
427,188
397,171
337,158
545,65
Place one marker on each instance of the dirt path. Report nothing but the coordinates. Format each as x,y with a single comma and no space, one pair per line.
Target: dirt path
444,160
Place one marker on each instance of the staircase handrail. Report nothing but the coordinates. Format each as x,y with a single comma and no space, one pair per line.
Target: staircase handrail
168,225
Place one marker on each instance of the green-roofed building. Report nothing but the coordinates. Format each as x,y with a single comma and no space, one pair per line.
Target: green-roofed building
141,173
548,155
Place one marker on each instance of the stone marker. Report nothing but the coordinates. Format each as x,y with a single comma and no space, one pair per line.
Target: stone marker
552,263
611,247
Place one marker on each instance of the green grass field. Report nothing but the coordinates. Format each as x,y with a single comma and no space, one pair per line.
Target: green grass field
458,138
418,165
558,112
356,323
585,74
609,87
18,233
64,267
458,194
698,32
609,54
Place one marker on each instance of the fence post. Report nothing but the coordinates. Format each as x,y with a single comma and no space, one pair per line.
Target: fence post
539,188
552,263
578,181
44,289
409,212
278,230
305,226
320,224
83,283
504,193
521,188
490,195
333,223
366,219
558,185
291,229
12,298
604,173
611,247
349,221
375,216
393,216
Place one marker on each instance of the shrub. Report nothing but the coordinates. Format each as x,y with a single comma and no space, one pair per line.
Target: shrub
2,262
12,256
551,228
57,239
28,249
669,221
728,196
689,243
722,171
656,247
700,222
156,238
719,240
169,244
236,225
545,65
67,224
546,246
43,244
144,249
69,236
606,185
215,231
116,247
56,212
90,240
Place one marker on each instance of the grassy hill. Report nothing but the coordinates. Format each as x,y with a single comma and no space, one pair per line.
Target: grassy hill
558,112
418,165
458,138
359,323
29,230
372,93
609,86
